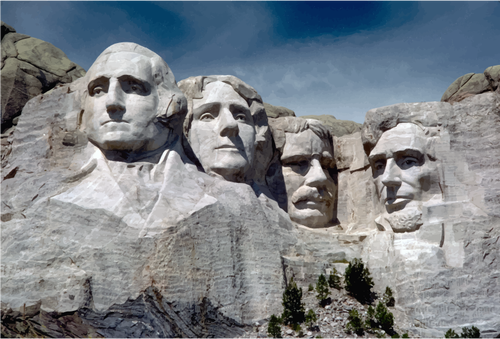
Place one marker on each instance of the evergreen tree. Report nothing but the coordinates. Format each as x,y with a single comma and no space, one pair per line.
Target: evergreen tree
322,291
358,281
388,298
274,328
334,279
293,308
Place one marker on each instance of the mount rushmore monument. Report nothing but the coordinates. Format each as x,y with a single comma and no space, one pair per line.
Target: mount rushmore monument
134,205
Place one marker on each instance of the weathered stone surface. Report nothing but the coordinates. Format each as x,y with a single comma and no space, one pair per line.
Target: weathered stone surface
471,84
278,111
337,127
30,67
7,29
148,245
130,248
444,271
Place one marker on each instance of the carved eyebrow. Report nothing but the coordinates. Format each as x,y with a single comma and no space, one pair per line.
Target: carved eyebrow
208,107
411,152
376,157
240,107
294,157
97,81
128,77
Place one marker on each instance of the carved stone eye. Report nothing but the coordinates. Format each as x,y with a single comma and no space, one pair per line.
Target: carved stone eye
206,116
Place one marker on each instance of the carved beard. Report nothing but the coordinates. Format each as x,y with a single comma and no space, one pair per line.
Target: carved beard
407,220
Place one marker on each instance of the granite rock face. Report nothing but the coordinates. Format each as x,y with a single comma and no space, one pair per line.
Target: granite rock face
104,238
30,67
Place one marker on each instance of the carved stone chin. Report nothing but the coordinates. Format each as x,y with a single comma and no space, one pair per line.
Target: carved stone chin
408,220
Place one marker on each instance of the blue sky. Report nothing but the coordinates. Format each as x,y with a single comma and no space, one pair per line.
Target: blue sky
338,58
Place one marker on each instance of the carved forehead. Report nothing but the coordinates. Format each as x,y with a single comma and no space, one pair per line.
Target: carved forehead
402,137
219,91
305,143
121,63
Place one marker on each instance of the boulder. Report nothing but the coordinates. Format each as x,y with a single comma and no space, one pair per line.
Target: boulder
30,67
278,111
337,127
471,84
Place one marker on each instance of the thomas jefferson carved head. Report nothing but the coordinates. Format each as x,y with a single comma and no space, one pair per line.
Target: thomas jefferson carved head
401,149
131,100
306,154
225,123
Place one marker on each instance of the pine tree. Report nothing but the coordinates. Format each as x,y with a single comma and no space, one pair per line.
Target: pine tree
322,291
358,281
334,279
293,308
274,328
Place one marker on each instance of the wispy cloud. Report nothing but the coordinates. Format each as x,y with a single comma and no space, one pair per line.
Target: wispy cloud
315,58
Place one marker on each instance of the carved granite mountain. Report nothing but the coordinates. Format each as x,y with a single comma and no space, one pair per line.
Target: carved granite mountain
30,67
98,247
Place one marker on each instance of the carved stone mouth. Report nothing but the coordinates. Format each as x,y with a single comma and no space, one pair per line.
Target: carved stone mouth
113,120
228,147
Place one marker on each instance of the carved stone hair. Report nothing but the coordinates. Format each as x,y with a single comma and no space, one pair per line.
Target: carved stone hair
172,106
380,120
296,125
193,88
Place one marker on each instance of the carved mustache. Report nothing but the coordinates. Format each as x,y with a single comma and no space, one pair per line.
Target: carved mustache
311,194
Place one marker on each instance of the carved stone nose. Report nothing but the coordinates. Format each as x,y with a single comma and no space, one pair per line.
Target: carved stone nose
392,174
114,100
228,126
316,175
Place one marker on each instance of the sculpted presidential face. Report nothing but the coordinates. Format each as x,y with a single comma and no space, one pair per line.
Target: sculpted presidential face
306,159
122,104
222,133
404,174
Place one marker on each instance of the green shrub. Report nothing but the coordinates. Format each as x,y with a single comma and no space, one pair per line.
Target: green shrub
310,318
472,332
388,298
384,318
334,280
405,335
355,324
451,334
310,288
370,318
293,308
395,335
358,281
322,291
274,328
296,328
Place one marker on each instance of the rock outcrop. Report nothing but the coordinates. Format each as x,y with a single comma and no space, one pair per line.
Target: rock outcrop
471,84
30,67
337,127
278,111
